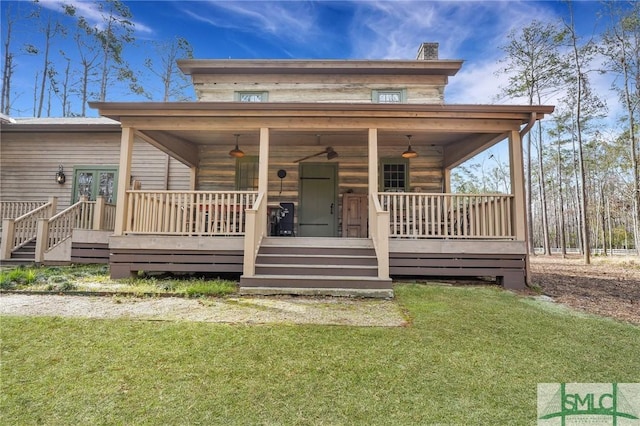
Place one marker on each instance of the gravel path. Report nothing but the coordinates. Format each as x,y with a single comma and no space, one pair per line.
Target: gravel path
241,310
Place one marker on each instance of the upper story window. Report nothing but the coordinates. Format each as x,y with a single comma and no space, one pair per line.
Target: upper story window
396,96
251,96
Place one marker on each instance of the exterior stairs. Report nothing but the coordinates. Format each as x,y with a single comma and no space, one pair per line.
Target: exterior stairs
25,255
317,266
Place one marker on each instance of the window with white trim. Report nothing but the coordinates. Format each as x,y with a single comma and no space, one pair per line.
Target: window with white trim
391,96
251,96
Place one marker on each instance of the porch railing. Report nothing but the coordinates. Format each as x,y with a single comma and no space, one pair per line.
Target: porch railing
20,231
14,209
188,212
422,215
93,215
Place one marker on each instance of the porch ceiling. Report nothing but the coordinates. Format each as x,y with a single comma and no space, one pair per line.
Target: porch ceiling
462,130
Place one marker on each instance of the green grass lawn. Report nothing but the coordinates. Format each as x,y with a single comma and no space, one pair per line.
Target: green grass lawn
471,356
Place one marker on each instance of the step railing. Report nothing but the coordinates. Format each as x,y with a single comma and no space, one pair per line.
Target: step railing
211,213
256,230
379,231
14,209
89,215
22,230
426,215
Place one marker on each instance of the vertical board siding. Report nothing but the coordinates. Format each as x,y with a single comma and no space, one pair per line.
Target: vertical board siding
27,174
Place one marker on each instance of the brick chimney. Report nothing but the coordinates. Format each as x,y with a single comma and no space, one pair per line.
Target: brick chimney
428,52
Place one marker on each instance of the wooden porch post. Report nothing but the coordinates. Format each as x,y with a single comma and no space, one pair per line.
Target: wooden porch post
53,206
517,185
378,219
8,234
519,208
263,162
193,178
124,176
373,161
446,184
42,239
98,213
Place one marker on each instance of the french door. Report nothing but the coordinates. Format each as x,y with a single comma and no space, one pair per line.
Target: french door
93,181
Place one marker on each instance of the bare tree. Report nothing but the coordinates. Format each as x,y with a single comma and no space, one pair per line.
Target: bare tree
174,83
7,66
116,32
578,59
621,47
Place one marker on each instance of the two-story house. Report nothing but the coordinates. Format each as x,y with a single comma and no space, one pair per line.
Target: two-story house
321,177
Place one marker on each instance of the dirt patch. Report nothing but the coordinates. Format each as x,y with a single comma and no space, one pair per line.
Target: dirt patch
608,287
291,310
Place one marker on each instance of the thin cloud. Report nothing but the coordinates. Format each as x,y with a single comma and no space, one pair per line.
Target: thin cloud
90,11
283,20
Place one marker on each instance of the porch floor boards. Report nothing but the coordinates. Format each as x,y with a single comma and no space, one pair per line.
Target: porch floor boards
317,266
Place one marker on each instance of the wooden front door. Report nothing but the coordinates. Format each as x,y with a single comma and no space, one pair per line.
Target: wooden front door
318,205
355,215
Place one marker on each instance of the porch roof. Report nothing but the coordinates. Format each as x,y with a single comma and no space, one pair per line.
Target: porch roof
178,128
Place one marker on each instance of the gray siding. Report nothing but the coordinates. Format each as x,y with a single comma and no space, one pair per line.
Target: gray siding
30,160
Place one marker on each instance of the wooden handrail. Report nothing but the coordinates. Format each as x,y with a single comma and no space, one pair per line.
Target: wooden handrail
256,230
379,231
14,209
436,215
88,215
20,231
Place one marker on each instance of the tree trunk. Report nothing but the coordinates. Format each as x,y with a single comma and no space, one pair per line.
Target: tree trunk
45,68
563,239
543,196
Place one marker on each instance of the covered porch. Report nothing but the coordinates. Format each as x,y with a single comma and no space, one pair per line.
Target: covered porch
338,172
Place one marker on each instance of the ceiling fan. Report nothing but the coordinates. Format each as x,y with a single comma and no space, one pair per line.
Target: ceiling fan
331,154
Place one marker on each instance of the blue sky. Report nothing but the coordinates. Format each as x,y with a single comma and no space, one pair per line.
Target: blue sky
468,30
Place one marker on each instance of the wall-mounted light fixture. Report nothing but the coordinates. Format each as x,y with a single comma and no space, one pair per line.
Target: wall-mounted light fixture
236,152
60,177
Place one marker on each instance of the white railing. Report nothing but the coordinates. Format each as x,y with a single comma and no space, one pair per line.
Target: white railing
89,215
14,209
23,229
60,227
379,231
109,217
188,212
256,230
422,215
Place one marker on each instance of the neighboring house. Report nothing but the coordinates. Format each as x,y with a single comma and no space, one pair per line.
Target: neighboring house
319,176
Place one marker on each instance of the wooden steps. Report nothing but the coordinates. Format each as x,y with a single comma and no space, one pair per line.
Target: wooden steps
317,266
25,255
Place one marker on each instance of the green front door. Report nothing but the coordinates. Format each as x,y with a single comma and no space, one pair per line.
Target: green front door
318,207
91,181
